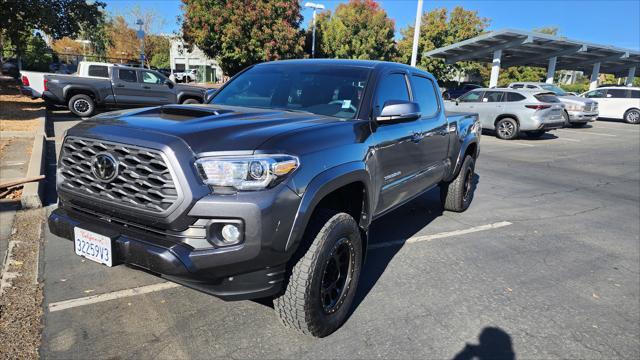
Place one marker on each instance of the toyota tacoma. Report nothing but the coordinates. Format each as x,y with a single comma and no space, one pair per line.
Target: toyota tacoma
269,189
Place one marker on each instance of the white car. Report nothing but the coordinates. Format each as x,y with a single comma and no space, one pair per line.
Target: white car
33,82
187,76
617,102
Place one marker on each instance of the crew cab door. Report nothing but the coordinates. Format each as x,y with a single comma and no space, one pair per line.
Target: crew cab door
154,89
126,88
432,129
398,157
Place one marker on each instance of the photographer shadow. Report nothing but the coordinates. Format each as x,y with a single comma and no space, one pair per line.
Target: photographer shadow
494,344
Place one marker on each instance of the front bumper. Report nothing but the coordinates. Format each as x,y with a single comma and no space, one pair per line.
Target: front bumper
253,269
582,116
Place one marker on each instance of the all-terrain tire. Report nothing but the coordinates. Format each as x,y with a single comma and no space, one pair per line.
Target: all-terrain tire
301,307
82,105
458,194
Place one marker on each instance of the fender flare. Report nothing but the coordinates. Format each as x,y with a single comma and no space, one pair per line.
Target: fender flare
463,149
70,87
322,185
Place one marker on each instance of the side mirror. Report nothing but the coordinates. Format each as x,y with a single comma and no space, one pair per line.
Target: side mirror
169,83
399,110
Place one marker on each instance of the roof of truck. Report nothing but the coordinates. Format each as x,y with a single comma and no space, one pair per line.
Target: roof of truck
345,62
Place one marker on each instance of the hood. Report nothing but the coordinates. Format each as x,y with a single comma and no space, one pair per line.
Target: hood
203,128
573,99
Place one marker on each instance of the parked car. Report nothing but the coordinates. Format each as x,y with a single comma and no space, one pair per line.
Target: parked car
578,111
511,112
33,83
269,191
456,92
617,102
187,76
10,68
116,86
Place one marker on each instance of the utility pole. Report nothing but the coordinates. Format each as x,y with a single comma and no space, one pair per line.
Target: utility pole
315,7
416,34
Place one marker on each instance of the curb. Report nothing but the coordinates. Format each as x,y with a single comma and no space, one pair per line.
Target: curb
33,193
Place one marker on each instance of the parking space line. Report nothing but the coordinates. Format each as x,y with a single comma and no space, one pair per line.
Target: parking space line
509,142
72,303
588,132
424,238
568,139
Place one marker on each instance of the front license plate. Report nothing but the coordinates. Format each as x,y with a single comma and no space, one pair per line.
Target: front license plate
93,246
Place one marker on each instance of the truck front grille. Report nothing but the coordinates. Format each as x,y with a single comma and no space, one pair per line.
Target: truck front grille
142,180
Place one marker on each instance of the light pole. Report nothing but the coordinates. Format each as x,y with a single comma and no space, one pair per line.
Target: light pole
315,7
416,34
140,35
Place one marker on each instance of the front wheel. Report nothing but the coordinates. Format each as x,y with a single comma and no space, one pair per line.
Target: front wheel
458,194
323,280
507,129
191,101
632,116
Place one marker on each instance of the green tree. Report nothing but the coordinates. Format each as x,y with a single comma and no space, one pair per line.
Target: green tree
239,33
321,23
439,28
56,18
359,29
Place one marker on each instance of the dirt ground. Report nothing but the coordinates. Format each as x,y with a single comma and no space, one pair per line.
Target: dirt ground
20,303
17,112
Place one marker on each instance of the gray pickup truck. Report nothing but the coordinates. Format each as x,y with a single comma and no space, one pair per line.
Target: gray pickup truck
269,190
112,86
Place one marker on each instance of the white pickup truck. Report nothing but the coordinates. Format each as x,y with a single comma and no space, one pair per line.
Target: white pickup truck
34,82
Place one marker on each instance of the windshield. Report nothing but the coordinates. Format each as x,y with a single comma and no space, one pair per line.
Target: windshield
324,90
554,89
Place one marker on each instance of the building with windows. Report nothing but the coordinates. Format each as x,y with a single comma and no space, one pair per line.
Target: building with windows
182,59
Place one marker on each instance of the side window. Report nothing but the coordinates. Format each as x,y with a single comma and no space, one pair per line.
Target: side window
616,93
127,75
471,96
517,86
424,93
634,94
531,87
492,96
99,71
392,87
595,94
511,97
150,78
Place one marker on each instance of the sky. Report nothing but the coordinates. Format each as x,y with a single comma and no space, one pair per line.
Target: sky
609,22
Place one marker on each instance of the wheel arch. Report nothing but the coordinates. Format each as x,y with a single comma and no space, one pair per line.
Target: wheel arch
345,188
71,90
504,116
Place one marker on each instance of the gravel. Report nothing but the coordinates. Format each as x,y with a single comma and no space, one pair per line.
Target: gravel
20,303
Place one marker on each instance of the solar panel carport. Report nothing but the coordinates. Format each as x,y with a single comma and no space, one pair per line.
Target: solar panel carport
509,47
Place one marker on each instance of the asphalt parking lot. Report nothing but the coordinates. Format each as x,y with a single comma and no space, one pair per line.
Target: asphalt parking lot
545,264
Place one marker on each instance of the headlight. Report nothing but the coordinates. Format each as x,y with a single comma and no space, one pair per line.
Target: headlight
574,107
255,172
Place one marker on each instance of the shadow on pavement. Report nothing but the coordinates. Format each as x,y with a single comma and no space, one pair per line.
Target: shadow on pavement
494,343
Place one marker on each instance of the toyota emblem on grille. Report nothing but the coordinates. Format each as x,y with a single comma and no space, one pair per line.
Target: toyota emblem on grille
104,167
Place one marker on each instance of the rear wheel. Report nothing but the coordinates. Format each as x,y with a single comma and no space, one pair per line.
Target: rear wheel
82,105
507,129
632,116
323,280
458,194
191,101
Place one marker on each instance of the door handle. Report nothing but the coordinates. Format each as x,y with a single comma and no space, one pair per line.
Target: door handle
120,85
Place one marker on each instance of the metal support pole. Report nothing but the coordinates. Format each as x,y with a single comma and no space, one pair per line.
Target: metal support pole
416,34
551,69
630,76
495,68
313,36
594,76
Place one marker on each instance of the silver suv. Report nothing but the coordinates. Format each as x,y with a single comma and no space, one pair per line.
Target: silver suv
578,110
511,112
